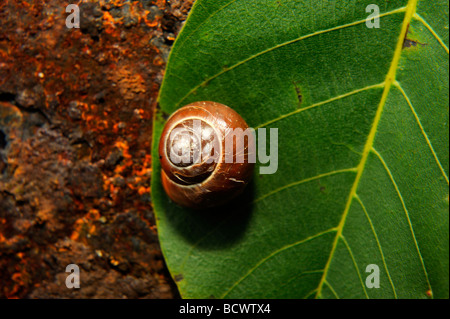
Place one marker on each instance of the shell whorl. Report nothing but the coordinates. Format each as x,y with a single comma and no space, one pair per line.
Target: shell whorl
192,154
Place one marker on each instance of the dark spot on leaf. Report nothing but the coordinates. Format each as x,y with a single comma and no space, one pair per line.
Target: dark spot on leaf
178,277
322,188
408,43
411,43
212,297
165,115
299,93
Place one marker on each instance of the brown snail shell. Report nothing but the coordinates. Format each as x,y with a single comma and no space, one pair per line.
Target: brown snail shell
199,176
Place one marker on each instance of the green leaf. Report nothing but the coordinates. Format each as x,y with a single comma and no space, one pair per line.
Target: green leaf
363,150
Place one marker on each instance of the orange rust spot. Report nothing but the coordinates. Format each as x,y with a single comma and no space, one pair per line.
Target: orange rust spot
78,225
114,262
142,190
93,214
107,17
161,3
151,23
158,61
17,277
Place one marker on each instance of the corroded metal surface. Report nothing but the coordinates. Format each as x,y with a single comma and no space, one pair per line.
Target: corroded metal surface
76,109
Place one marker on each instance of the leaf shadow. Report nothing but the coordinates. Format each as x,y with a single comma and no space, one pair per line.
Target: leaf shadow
214,228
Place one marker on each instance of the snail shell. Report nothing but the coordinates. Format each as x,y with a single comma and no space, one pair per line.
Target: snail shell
196,172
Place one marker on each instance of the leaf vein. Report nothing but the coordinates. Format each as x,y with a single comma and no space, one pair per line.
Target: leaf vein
332,289
310,293
342,96
355,264
402,9
406,212
302,274
284,248
378,244
425,23
347,170
397,84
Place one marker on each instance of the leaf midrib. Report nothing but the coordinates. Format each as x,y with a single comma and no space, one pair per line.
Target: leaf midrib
390,79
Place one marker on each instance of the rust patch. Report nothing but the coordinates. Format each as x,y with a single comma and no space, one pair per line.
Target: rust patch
76,110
